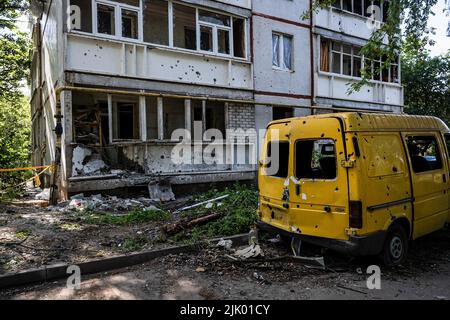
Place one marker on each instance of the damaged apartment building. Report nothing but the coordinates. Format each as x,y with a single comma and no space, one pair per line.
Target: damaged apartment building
114,81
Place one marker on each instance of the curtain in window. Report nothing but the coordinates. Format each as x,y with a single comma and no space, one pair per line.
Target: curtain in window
287,53
325,55
275,44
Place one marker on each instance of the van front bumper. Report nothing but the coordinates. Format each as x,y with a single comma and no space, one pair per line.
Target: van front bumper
368,245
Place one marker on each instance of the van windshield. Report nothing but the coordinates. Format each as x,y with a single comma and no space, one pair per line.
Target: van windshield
315,159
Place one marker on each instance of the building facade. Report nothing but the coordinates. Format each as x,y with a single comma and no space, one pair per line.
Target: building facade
121,78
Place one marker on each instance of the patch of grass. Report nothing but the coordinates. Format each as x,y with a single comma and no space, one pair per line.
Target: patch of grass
134,243
238,214
71,227
133,217
23,234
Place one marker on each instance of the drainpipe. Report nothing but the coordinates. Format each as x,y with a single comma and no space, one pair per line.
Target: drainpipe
311,48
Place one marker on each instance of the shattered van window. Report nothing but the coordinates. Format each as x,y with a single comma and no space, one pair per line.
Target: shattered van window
278,157
315,159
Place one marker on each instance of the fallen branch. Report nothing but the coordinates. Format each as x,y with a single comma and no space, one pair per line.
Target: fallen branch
177,227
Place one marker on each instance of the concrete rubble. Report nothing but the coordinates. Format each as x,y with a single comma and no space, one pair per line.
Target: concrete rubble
86,162
105,203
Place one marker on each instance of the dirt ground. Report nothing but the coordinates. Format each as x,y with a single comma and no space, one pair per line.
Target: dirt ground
209,274
32,236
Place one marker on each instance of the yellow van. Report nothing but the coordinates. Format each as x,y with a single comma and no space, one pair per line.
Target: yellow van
358,183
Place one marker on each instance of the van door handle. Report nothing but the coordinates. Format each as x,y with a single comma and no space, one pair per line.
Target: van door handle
297,189
444,177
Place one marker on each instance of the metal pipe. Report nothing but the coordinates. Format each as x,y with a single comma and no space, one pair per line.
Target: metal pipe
201,98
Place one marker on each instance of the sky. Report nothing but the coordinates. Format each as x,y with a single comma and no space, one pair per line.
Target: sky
440,22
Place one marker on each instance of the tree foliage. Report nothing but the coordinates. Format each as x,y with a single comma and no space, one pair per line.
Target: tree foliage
405,28
14,47
426,81
14,136
14,107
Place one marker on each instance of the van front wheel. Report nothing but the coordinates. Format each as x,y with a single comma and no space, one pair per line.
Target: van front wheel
395,248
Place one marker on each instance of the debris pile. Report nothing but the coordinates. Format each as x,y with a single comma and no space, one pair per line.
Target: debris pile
105,203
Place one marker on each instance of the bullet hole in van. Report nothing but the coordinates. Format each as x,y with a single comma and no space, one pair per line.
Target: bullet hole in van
337,189
322,135
304,122
317,226
394,169
272,215
339,130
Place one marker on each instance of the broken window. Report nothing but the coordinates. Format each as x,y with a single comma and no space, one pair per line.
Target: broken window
174,117
336,57
106,19
282,113
239,37
156,22
90,119
152,118
278,159
357,62
134,3
214,26
215,116
129,24
282,51
184,27
210,114
315,159
84,22
126,119
424,153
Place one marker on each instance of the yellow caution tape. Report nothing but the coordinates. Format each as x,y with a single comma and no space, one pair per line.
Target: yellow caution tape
36,177
24,169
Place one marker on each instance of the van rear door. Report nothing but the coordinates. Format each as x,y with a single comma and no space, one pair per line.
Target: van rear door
319,196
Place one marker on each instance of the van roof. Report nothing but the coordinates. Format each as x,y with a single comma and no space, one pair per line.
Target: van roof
357,121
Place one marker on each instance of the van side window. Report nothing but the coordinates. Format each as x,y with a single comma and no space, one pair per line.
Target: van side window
315,159
424,153
278,157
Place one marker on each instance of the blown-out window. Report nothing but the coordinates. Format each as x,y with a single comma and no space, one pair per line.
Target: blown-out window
424,153
277,159
315,159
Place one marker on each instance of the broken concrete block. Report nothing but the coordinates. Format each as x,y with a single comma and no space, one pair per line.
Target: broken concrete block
44,195
94,167
161,190
78,157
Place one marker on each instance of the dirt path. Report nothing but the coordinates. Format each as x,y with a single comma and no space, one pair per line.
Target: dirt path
426,275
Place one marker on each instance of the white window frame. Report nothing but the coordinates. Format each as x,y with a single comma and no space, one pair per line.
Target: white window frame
215,34
281,51
363,61
118,7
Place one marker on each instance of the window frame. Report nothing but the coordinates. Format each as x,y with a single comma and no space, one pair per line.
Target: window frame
140,10
118,7
439,152
362,14
354,54
280,50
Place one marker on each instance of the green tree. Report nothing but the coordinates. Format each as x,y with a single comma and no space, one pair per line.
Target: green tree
14,47
426,82
405,28
14,137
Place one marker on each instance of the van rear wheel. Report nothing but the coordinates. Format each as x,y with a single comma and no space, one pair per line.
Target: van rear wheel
395,247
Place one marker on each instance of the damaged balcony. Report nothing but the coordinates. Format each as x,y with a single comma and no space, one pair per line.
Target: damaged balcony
124,141
160,40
